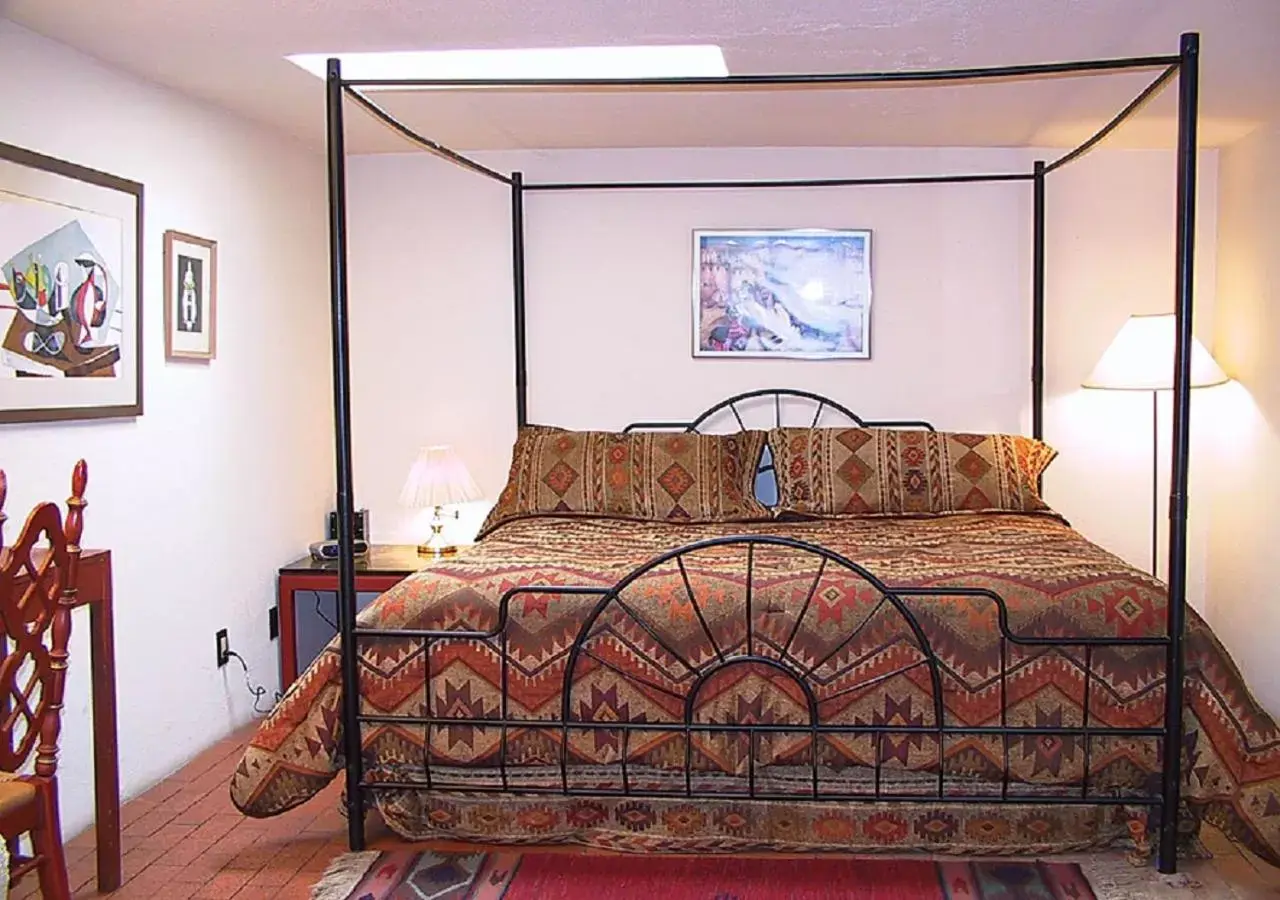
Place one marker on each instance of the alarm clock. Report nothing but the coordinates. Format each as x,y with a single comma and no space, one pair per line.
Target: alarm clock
328,551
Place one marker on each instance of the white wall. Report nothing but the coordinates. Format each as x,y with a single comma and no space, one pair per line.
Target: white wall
609,306
1244,599
227,473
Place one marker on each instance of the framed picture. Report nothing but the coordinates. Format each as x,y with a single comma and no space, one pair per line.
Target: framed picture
70,296
800,293
190,296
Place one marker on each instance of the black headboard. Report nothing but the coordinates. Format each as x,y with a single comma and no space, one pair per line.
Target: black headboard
804,399
837,414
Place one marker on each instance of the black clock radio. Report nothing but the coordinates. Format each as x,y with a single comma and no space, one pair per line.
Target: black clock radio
328,550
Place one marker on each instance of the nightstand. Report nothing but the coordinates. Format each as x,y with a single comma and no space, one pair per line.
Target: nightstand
307,594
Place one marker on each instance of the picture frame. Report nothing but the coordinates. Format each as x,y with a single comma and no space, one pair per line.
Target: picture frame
798,293
190,296
71,310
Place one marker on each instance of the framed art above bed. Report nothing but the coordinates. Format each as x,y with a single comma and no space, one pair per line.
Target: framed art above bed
797,293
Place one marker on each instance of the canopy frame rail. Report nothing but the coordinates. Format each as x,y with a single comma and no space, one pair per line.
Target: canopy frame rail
1184,65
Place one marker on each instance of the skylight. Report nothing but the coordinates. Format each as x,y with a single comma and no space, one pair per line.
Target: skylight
673,61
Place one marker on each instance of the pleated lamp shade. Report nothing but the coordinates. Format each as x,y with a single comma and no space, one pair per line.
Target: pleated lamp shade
1140,358
438,477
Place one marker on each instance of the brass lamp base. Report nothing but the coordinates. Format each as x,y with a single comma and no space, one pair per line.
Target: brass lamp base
431,550
435,545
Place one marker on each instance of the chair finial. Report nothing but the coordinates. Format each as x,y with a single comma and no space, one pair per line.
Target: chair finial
76,504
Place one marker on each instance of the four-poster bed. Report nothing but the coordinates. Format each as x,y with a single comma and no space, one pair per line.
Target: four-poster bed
584,665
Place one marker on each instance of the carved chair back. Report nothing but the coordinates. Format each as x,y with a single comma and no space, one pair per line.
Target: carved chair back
38,577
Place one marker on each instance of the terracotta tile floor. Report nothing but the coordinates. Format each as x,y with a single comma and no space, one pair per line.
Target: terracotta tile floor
183,839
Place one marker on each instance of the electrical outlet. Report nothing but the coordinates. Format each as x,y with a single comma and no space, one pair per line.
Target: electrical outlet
273,623
224,648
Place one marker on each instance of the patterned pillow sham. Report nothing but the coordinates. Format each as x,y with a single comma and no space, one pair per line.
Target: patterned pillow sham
651,476
870,471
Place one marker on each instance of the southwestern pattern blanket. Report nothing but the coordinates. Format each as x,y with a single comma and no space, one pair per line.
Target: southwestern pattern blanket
651,659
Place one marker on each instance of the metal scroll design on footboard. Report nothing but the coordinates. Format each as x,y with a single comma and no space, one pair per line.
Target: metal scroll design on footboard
786,624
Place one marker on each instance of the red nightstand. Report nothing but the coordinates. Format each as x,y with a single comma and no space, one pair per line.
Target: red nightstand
383,567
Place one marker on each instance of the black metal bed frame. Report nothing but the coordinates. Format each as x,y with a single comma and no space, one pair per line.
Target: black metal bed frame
1184,65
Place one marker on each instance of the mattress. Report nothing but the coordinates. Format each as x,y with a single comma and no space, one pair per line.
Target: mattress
809,638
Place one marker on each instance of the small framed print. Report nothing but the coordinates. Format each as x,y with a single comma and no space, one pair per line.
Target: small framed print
190,296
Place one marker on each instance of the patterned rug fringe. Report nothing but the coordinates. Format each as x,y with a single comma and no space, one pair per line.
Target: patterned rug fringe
1114,877
342,875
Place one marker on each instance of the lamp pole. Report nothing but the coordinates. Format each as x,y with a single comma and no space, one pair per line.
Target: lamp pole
1155,482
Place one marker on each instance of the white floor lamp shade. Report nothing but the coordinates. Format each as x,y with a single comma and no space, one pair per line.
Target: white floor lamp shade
1141,358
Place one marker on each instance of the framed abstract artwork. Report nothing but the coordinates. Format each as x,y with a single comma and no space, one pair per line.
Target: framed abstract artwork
799,293
190,296
70,296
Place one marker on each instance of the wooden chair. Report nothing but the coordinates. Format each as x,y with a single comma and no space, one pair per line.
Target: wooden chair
37,586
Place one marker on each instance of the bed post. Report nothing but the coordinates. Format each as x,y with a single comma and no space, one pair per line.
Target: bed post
1037,303
517,275
1188,85
342,431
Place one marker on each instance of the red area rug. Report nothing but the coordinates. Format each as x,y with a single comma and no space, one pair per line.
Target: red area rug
406,875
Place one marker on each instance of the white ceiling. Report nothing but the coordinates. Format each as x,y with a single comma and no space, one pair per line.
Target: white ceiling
231,53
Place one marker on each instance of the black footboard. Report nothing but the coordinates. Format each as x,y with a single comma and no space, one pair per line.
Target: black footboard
747,607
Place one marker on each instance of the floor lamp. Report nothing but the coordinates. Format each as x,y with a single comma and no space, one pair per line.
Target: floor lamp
1140,358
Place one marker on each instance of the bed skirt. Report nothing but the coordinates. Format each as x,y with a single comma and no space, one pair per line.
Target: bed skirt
712,826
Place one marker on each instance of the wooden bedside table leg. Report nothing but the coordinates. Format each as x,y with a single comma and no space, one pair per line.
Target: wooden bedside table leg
285,589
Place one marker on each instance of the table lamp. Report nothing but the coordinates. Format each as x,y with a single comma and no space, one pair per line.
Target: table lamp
1140,358
438,478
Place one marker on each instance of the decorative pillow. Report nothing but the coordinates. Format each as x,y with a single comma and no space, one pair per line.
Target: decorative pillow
647,475
868,471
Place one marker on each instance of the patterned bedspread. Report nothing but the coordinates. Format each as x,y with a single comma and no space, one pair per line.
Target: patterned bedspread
647,656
